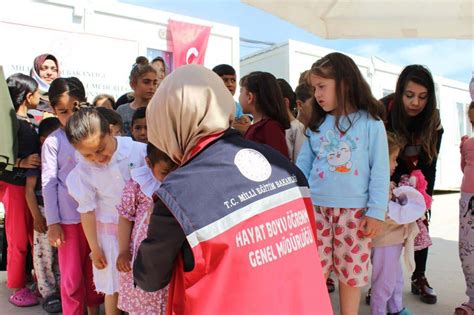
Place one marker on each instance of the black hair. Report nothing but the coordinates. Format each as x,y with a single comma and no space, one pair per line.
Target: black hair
47,126
139,68
303,92
155,155
109,97
224,69
287,93
159,58
72,85
269,100
112,116
86,122
140,113
471,106
19,86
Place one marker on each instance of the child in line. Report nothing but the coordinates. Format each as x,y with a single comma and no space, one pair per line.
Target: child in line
295,134
229,76
45,256
114,119
261,97
466,216
25,95
135,209
144,82
304,103
64,223
399,230
97,183
139,130
104,100
346,162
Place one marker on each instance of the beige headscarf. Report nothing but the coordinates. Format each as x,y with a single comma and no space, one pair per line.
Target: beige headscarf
191,103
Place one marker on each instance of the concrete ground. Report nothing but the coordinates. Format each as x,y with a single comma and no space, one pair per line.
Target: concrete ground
444,268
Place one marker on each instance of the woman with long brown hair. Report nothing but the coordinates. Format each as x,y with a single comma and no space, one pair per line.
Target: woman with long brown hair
413,115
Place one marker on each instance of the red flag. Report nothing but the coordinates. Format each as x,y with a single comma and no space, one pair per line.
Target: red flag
189,42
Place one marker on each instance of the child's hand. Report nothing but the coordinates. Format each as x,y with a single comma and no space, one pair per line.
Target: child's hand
39,224
123,262
31,161
98,258
370,226
56,235
242,124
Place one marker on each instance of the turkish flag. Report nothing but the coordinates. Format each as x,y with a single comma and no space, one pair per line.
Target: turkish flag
189,42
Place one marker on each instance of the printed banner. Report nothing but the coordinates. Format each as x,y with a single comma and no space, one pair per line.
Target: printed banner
189,42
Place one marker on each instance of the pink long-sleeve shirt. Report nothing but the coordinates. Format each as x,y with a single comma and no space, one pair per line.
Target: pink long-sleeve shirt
467,165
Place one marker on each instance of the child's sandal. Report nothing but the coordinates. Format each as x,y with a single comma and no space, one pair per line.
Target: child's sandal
464,309
23,298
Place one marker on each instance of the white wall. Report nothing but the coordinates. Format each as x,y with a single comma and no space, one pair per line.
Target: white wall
97,41
453,97
274,61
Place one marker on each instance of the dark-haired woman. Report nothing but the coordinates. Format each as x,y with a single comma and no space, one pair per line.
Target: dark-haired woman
412,114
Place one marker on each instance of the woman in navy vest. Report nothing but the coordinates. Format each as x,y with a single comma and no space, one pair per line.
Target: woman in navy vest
232,229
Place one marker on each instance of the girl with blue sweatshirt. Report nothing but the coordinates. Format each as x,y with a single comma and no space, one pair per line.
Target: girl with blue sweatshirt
346,163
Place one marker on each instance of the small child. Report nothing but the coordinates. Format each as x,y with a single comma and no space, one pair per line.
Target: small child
114,119
45,256
345,161
139,130
466,217
399,230
135,209
261,97
295,134
97,183
228,75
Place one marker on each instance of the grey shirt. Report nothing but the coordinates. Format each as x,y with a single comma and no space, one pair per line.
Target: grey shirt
126,112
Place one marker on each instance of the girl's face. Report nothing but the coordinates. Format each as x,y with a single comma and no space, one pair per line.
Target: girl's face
470,113
305,109
246,100
98,148
324,92
64,108
160,68
160,169
139,130
145,86
48,71
33,99
415,98
393,160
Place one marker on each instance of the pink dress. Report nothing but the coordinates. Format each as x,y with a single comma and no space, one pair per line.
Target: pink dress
136,206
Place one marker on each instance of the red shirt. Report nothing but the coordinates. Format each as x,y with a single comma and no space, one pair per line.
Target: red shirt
270,132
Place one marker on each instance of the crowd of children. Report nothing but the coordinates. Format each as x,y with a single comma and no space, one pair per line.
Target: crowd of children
84,182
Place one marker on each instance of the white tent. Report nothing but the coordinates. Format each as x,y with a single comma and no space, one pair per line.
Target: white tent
376,18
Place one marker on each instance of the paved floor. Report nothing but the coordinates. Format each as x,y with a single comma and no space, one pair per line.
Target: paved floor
444,272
